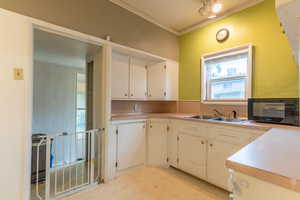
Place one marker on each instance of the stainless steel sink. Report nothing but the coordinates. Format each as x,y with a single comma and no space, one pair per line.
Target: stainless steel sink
204,117
213,118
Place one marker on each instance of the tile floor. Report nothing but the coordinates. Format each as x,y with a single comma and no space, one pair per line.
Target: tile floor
145,183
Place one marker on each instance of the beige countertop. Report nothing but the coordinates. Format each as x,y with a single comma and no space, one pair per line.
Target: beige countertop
183,116
273,157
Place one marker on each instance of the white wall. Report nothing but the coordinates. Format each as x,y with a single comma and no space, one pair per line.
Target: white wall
15,51
54,107
54,99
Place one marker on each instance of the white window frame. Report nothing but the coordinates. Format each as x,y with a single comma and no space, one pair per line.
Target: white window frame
205,84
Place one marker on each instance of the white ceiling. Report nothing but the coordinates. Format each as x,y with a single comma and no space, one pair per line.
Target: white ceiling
179,16
56,49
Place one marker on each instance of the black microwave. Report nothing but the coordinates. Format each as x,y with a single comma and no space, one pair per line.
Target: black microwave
274,110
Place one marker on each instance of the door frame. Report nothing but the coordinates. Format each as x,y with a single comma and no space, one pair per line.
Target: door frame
28,87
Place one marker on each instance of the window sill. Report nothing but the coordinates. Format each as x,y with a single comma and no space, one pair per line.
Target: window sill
232,103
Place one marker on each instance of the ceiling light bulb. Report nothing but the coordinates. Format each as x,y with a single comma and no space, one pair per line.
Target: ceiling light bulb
217,7
212,16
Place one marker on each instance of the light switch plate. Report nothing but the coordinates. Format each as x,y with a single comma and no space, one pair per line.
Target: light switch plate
18,74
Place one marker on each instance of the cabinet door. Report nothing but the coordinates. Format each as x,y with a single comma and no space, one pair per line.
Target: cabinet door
218,152
157,144
138,83
192,155
172,147
130,145
157,81
120,76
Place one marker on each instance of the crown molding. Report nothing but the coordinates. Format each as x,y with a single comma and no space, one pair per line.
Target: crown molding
191,28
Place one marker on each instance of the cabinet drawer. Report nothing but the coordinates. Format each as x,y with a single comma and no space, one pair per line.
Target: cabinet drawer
192,128
232,136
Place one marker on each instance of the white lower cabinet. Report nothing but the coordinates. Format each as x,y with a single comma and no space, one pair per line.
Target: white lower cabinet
172,146
157,143
130,145
217,154
192,155
200,149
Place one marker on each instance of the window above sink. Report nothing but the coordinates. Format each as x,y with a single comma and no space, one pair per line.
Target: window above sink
226,76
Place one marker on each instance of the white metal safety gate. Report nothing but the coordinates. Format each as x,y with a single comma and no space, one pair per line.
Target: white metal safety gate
71,163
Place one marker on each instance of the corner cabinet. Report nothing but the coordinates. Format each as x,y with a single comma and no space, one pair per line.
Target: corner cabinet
140,79
130,145
163,81
157,143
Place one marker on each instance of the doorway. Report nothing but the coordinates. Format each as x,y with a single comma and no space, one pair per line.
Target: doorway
66,144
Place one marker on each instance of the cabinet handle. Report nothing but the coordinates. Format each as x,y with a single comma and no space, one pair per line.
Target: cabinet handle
211,145
150,126
202,142
125,95
131,95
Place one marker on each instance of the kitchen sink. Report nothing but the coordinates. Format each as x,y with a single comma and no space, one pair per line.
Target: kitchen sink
214,118
200,117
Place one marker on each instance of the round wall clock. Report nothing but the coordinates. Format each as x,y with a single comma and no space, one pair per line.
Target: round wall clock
222,35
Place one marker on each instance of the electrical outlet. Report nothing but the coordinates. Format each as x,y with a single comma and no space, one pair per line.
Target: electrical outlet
18,74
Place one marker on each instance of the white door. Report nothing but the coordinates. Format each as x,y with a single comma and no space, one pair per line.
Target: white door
120,76
131,145
138,83
157,144
157,81
192,155
218,152
172,147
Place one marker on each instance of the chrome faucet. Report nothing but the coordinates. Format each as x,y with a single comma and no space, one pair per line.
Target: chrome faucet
218,113
234,113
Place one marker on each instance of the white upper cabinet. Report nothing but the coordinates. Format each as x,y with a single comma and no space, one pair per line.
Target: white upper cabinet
134,78
120,76
172,73
138,80
157,81
163,81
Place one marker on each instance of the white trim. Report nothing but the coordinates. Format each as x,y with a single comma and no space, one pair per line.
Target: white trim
188,29
107,47
235,50
142,14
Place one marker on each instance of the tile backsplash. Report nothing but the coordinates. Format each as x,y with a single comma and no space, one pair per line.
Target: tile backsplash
208,109
119,107
190,107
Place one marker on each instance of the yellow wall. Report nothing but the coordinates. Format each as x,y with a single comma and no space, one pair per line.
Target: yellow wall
275,73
